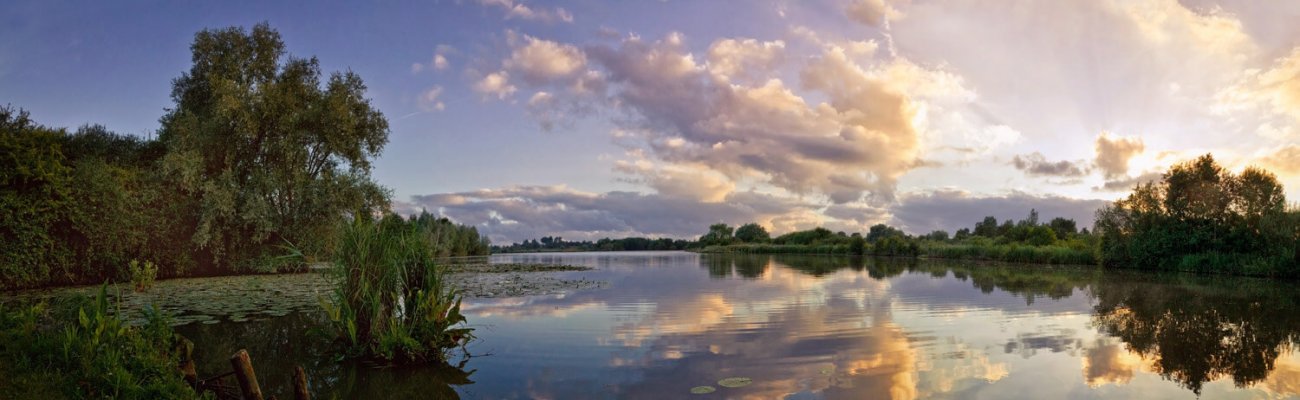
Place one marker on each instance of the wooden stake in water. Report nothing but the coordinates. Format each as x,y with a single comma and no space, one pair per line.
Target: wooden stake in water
244,374
300,384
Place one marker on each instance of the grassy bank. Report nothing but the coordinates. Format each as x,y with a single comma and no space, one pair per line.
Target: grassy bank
78,349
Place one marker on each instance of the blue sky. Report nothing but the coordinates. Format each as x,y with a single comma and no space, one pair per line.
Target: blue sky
591,119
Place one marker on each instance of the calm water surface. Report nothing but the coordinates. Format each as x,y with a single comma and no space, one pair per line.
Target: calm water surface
815,327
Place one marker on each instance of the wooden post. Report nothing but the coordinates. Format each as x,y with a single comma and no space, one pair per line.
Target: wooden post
300,384
244,374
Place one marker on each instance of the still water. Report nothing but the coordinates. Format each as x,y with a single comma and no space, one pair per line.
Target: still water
818,327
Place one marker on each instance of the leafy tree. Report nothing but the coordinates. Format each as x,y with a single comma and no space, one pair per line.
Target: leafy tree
266,151
752,233
1041,236
987,228
1063,227
719,234
1201,217
881,231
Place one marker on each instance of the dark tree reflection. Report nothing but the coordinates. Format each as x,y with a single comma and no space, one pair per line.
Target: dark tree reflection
1197,330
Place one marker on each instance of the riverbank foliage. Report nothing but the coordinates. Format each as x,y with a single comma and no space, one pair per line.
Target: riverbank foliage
258,150
391,302
1202,218
79,349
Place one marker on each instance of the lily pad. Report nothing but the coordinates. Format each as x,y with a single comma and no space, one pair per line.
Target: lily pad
703,389
735,382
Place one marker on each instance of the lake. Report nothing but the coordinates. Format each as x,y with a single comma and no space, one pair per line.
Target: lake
821,327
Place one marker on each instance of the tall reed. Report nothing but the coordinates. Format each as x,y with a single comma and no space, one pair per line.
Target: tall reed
391,301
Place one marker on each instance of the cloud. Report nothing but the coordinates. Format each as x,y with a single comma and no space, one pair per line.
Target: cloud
517,9
439,61
1285,161
1114,153
954,209
858,142
872,12
1274,91
495,84
731,58
429,100
1124,183
522,212
540,61
1035,164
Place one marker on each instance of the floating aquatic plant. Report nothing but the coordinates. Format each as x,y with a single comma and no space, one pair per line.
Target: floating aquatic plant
703,389
735,382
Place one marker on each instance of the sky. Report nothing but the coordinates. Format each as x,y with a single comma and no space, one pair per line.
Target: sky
592,119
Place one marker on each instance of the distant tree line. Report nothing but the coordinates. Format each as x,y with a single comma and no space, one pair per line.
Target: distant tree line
551,244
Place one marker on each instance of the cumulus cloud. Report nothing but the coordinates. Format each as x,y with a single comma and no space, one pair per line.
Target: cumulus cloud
518,10
496,84
859,141
539,61
1114,153
954,209
1035,164
731,59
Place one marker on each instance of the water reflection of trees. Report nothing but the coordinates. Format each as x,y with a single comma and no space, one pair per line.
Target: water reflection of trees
277,345
1029,282
1196,330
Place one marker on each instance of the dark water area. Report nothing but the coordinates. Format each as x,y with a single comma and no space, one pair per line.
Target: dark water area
818,327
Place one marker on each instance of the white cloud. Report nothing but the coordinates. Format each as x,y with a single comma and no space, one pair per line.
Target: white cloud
540,61
495,84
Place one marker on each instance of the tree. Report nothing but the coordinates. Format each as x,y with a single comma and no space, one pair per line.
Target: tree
752,233
881,231
1063,227
987,228
1201,217
719,234
265,150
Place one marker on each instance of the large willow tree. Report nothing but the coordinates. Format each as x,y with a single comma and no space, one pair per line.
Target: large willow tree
267,150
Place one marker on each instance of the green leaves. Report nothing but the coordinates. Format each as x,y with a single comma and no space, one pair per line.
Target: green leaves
267,153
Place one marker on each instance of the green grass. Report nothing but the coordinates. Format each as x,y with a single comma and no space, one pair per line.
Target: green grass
1016,253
